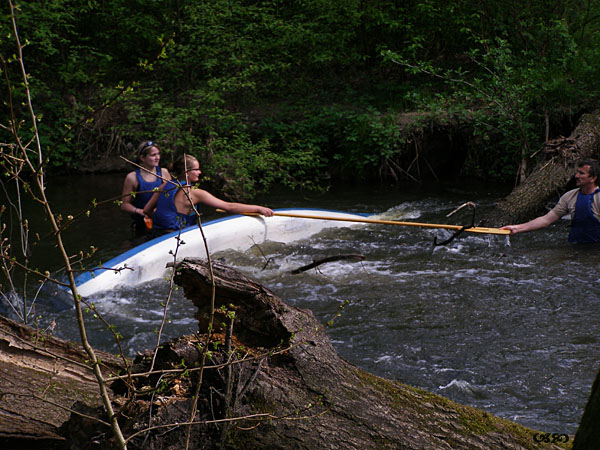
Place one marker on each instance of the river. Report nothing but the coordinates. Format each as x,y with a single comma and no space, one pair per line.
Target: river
507,325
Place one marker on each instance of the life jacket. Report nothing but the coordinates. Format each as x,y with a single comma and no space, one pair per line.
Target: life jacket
585,227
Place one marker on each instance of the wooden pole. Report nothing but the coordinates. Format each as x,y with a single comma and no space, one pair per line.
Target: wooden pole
482,230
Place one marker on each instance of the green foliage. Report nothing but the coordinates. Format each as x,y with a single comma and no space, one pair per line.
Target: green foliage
241,168
518,68
367,141
298,92
351,144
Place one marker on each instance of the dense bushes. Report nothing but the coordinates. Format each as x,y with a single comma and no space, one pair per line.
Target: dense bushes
300,93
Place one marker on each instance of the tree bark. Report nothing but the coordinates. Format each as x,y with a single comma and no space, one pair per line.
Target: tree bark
274,381
551,175
41,378
291,389
588,433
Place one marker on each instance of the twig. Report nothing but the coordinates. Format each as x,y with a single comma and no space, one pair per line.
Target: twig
267,260
318,262
463,228
39,183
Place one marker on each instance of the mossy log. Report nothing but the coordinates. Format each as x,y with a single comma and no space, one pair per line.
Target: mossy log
272,380
287,387
550,177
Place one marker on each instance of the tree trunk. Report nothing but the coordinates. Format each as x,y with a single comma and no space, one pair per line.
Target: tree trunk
550,177
41,378
588,433
290,389
273,381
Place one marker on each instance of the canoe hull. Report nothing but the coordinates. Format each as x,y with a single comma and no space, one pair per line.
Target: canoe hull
148,261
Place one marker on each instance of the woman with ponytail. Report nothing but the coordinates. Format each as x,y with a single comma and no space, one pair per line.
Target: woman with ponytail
174,203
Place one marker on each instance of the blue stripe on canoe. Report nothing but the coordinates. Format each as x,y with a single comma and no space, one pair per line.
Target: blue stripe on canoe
86,276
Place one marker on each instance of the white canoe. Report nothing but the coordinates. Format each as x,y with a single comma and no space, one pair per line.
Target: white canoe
148,261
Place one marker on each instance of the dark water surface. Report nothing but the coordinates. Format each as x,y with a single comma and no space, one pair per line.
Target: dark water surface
509,326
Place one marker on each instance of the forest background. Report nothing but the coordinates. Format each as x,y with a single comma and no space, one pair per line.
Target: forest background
303,93
299,93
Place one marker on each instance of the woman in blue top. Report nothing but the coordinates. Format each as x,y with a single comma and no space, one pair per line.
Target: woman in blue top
140,183
174,204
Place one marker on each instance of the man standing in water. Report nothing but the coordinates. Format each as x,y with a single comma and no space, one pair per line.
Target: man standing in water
582,203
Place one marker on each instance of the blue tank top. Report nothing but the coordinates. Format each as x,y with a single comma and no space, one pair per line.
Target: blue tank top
166,216
585,227
141,198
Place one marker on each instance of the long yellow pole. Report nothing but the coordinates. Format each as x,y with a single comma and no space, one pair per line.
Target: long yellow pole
482,230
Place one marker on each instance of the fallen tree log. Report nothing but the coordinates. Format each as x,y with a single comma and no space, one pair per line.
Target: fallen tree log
285,386
272,380
41,378
550,177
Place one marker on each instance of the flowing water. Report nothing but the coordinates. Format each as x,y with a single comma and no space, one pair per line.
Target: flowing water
507,325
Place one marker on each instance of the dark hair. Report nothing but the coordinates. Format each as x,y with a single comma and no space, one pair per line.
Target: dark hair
182,165
594,167
145,147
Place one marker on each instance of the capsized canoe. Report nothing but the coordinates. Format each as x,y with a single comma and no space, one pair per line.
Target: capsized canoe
148,261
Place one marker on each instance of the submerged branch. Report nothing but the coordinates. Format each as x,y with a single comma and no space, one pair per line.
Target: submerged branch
328,259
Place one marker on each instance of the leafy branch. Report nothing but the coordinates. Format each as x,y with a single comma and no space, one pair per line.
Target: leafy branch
38,186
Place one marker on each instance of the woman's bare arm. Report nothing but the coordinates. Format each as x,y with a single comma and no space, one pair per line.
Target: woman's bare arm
129,185
206,198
